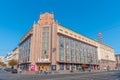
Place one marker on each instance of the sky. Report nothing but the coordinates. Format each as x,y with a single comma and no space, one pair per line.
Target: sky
87,17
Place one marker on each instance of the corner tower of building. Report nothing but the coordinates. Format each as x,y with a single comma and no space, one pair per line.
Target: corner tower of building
46,19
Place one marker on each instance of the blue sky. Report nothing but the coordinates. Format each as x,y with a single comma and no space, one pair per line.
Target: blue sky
87,17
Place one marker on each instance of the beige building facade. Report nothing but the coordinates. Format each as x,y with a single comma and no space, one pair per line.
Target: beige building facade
106,57
117,56
13,55
1,59
50,46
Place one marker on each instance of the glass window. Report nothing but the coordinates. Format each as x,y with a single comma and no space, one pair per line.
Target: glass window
72,52
81,44
67,67
72,58
67,51
45,38
72,42
76,53
81,54
45,28
61,44
61,51
67,40
81,59
84,59
45,52
67,58
44,44
77,60
76,43
45,33
61,38
61,66
67,46
61,58
85,54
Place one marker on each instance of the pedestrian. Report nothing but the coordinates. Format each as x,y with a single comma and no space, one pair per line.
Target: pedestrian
19,70
89,69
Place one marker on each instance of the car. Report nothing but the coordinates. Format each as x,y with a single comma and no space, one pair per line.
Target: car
8,69
14,71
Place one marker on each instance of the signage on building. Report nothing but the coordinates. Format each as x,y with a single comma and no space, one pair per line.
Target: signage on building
32,67
43,60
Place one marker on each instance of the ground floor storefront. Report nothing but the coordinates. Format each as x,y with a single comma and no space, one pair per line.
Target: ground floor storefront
58,66
77,66
105,64
43,66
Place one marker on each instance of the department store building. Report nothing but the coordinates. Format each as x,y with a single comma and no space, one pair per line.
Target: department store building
51,46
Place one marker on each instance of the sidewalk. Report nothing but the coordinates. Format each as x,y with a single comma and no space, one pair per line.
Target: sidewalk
57,72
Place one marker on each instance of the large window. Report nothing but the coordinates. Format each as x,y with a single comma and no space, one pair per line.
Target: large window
61,48
61,66
67,40
44,51
61,38
72,58
72,52
67,46
81,54
73,49
61,58
67,52
81,60
45,28
77,60
67,67
45,45
45,33
77,53
25,50
61,51
67,58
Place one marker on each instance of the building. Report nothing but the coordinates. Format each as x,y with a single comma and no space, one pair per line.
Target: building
15,53
117,56
106,56
50,46
1,59
12,55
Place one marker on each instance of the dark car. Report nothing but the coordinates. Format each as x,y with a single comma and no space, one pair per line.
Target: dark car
14,71
8,69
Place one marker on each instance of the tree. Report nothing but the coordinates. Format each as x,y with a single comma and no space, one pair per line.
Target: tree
2,64
13,63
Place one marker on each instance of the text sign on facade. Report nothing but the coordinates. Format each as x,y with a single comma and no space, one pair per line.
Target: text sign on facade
43,60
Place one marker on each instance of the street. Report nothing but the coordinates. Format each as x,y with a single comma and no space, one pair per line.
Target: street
111,75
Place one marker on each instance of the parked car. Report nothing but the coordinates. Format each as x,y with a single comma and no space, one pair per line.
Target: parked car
8,69
14,71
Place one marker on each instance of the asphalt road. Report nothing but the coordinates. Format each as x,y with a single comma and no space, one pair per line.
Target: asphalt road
111,75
